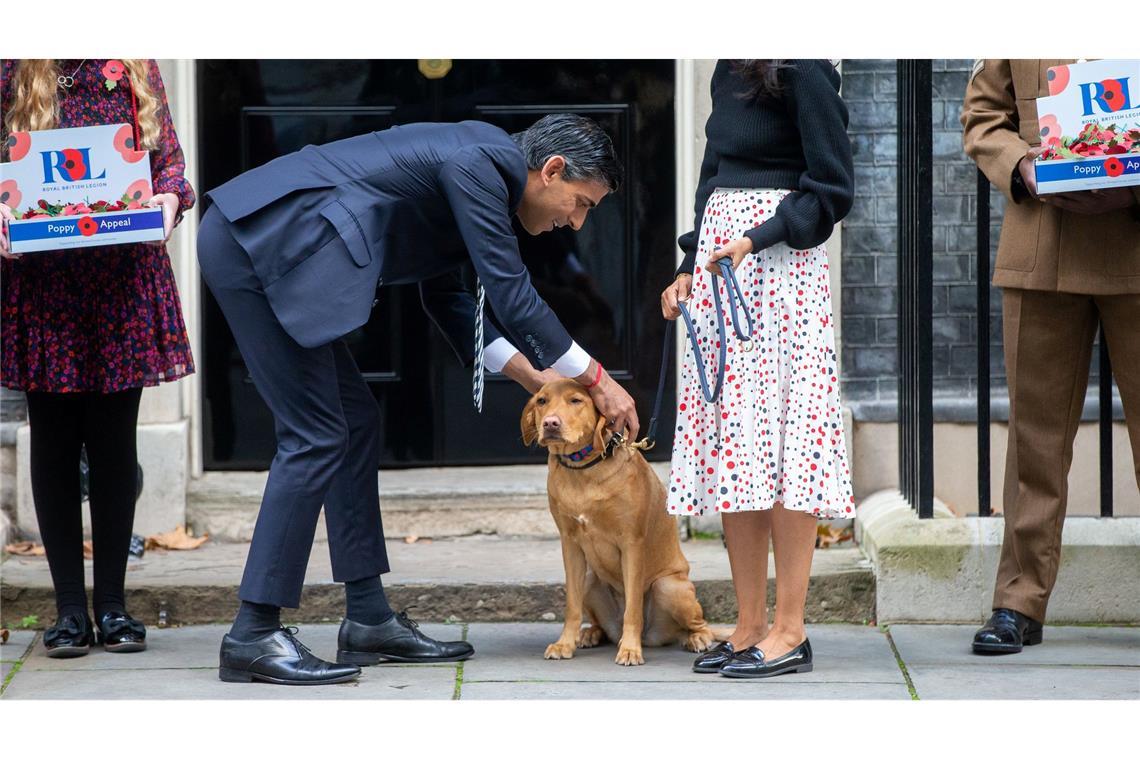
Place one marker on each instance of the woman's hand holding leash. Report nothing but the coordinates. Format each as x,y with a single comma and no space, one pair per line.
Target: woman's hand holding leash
677,292
737,249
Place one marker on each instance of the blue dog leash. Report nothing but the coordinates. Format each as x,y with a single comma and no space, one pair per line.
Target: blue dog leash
735,294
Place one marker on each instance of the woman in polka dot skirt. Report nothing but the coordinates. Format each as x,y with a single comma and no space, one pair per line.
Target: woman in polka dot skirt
769,454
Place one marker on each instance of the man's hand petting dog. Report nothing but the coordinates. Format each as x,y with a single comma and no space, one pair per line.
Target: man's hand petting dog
609,398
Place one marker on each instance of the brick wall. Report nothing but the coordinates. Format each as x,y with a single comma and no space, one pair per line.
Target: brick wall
870,241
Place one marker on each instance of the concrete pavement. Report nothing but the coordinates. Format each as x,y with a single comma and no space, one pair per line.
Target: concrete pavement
851,662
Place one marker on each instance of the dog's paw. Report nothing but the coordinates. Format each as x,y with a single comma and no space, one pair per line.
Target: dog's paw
560,650
590,637
629,656
699,641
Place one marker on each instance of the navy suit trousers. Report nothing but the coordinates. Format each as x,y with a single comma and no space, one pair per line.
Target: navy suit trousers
328,438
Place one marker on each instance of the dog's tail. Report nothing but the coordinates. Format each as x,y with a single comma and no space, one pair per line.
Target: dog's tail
721,633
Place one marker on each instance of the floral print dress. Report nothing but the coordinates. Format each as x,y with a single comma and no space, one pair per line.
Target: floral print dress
100,319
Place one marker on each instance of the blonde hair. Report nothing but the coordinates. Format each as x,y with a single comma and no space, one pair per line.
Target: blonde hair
35,98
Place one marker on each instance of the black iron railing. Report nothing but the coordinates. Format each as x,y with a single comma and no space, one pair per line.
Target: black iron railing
915,285
915,291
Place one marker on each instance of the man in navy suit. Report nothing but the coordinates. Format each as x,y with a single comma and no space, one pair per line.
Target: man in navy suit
294,252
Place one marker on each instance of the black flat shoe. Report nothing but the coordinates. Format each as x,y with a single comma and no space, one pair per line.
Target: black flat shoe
69,637
751,663
1006,632
398,639
119,632
280,658
712,660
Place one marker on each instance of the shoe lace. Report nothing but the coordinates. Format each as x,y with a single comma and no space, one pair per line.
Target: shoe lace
291,632
403,616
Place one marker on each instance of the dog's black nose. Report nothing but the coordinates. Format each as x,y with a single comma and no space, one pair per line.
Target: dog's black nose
551,423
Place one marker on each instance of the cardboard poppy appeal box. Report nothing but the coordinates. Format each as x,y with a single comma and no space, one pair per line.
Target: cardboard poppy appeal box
78,187
1090,127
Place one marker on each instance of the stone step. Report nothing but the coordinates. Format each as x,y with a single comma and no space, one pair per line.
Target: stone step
442,502
475,579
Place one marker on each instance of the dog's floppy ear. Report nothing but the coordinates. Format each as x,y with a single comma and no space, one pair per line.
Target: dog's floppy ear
600,433
527,424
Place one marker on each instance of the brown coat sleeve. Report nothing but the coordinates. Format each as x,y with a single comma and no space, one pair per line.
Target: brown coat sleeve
990,124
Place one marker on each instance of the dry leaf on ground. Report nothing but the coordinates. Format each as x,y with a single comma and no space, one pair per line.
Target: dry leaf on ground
178,539
25,549
3,635
827,535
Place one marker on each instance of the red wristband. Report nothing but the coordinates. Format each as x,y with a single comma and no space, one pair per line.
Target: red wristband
597,378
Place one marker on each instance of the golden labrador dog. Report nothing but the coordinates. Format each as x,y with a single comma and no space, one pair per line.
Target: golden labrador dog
624,568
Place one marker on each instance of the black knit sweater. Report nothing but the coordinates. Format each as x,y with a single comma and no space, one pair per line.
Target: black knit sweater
797,141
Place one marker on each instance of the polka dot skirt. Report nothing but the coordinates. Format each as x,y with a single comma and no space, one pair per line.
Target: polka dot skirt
776,434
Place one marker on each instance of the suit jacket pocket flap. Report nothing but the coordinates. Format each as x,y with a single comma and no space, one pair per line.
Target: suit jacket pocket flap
350,232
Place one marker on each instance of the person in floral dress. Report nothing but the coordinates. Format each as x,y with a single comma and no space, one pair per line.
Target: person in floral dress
83,331
769,454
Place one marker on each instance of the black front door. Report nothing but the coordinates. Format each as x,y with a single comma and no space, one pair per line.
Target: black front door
603,282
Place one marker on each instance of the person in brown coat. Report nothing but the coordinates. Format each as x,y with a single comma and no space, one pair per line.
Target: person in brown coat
1065,261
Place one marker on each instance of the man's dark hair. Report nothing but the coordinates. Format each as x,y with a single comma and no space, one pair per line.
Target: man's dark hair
587,149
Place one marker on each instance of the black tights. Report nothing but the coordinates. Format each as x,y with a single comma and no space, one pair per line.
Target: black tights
61,425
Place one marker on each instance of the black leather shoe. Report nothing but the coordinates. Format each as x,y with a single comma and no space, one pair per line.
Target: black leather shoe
751,663
398,639
69,637
119,632
278,657
1005,633
712,660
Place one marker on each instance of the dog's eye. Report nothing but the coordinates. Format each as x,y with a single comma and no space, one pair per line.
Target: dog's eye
576,400
541,402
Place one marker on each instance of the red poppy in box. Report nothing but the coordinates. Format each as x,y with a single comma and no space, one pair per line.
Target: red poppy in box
10,194
1113,167
88,226
139,191
73,164
125,144
18,144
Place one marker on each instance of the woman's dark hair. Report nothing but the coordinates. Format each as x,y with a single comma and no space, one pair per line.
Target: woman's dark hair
761,76
585,146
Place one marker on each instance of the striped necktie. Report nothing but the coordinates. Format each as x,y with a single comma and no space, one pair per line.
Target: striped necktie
477,380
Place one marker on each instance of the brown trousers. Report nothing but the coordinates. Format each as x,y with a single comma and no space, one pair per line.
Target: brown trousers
1048,346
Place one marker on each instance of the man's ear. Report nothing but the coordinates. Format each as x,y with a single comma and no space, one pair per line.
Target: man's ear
527,424
600,433
553,167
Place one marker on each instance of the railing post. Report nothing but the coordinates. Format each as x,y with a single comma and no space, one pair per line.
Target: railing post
915,264
983,376
1105,378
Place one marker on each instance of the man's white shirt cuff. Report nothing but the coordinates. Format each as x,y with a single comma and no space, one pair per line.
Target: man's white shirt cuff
572,363
497,353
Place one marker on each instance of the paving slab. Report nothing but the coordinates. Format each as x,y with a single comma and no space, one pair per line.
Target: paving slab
1063,645
17,644
848,654
203,683
1024,682
716,687
195,647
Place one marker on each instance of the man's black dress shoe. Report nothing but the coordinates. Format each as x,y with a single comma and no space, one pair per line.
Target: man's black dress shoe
751,663
397,639
711,661
119,632
69,637
1005,633
278,657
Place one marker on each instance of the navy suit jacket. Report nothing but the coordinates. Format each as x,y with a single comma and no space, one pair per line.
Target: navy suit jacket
326,225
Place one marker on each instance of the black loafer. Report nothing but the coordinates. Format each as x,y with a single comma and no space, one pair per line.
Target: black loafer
119,632
751,663
712,660
69,637
1006,632
278,657
398,639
